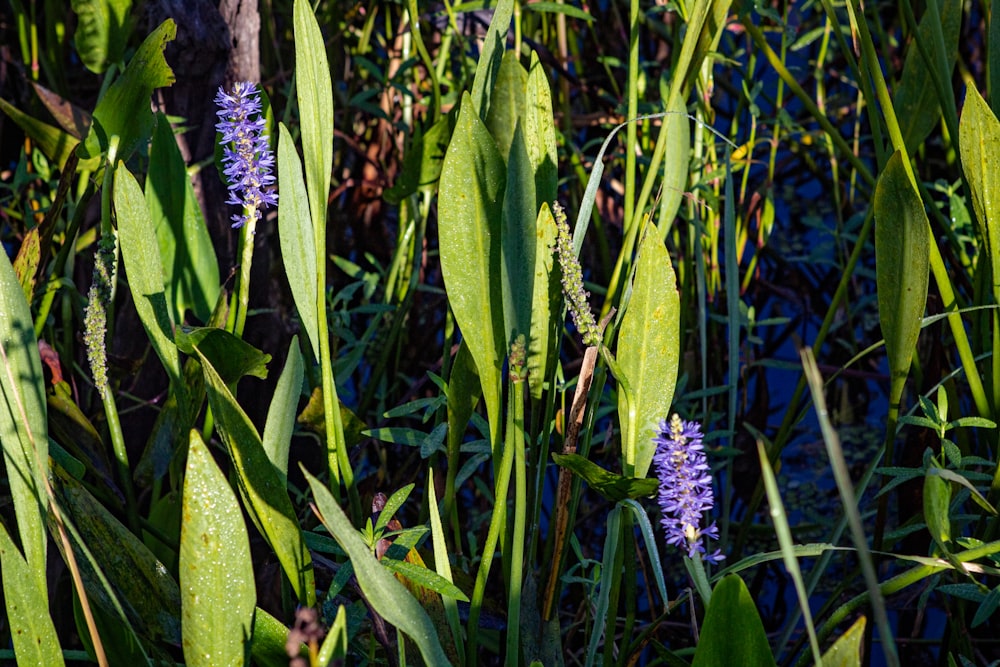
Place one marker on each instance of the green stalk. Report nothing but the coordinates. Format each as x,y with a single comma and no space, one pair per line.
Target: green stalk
520,515
107,395
631,131
498,525
241,300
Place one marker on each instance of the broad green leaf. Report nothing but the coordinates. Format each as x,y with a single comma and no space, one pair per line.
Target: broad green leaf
473,179
284,405
675,163
102,30
140,586
216,572
387,596
648,349
732,633
608,484
540,133
124,110
490,57
141,256
916,100
187,256
267,645
847,650
507,105
230,356
902,259
261,486
518,240
295,234
315,96
979,141
56,144
937,501
31,629
23,422
546,304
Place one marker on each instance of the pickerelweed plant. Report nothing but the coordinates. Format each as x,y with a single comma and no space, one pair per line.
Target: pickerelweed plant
222,519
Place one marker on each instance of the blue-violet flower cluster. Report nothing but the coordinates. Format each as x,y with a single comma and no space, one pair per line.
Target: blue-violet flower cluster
685,493
247,157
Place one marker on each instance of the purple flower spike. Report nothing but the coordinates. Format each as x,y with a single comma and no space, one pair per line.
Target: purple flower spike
247,157
685,487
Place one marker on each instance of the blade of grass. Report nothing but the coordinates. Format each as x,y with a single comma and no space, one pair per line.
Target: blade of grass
785,540
849,502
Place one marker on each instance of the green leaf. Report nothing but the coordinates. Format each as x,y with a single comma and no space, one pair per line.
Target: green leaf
987,607
315,96
427,578
230,356
732,633
546,304
473,179
648,350
387,596
558,8
611,486
540,132
295,234
187,256
392,506
518,241
902,259
916,100
423,159
102,30
979,141
977,497
675,163
32,631
846,651
125,110
141,256
131,581
490,57
56,144
937,501
261,485
507,105
216,572
23,422
267,645
284,405
335,645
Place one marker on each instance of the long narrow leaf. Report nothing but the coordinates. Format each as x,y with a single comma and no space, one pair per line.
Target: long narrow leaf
23,422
